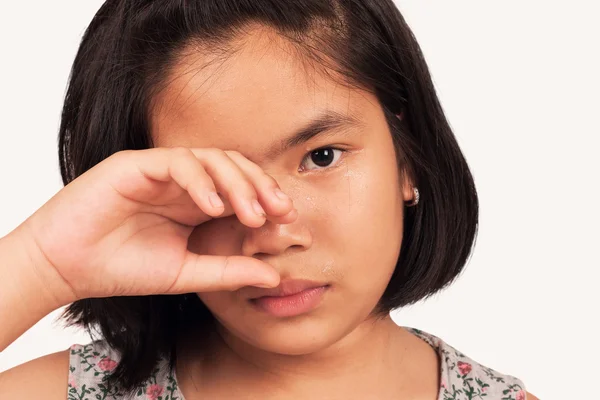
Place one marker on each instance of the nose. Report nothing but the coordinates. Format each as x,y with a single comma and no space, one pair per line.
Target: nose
274,239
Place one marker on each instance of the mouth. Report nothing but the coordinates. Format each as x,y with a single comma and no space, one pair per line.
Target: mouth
290,298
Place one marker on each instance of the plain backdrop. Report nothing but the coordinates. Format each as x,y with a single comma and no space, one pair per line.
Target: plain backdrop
519,82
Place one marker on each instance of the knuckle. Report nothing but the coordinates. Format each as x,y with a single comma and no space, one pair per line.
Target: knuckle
241,188
215,153
121,154
180,151
223,277
234,153
180,160
270,181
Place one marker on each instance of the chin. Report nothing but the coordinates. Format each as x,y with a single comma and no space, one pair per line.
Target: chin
299,335
294,337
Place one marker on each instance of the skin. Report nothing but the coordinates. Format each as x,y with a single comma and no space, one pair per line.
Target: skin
347,233
347,226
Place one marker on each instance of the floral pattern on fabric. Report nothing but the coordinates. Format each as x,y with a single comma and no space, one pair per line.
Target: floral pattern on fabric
462,378
91,363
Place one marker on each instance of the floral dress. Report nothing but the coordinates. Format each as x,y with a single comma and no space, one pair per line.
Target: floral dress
461,377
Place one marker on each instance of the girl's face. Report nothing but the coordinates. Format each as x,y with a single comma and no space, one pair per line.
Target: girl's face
350,205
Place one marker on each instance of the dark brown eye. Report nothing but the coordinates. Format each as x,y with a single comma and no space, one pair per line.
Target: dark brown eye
321,158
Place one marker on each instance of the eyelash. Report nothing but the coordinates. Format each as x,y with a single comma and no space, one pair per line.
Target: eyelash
307,157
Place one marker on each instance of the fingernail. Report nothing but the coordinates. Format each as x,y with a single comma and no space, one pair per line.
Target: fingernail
215,200
280,194
294,212
257,208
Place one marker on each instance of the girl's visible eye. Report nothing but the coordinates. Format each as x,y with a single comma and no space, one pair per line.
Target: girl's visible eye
321,158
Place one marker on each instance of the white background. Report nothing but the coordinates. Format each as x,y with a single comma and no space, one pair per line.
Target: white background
519,82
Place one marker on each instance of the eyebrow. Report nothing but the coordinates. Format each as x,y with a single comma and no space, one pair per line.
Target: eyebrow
326,123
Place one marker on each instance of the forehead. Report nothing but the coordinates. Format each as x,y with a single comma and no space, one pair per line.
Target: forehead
247,99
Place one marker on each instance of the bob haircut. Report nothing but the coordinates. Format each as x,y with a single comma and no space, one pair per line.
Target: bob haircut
124,59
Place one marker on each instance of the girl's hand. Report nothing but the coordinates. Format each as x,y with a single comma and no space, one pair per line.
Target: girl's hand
122,227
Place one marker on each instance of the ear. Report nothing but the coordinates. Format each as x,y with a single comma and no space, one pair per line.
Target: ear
408,193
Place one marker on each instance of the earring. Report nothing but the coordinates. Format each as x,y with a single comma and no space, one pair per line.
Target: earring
415,201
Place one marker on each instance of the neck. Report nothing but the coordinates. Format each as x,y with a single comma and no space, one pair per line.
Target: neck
369,343
375,351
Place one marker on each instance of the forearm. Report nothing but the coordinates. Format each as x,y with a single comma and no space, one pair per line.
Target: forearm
24,297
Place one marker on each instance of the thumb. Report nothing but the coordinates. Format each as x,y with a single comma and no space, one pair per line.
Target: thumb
204,273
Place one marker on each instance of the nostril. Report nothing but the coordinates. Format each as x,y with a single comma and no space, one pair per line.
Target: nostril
265,255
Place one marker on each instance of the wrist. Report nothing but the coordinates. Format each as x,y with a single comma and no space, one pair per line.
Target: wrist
27,266
24,298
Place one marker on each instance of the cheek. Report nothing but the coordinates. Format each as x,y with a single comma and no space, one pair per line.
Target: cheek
363,223
364,207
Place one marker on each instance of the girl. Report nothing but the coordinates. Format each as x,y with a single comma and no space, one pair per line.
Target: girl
250,188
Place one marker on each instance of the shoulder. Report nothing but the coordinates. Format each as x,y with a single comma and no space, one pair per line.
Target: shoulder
50,372
464,377
94,359
91,364
70,373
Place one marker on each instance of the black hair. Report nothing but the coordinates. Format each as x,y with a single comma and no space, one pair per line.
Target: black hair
124,59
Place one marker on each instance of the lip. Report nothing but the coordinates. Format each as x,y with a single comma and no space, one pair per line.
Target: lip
289,287
290,298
